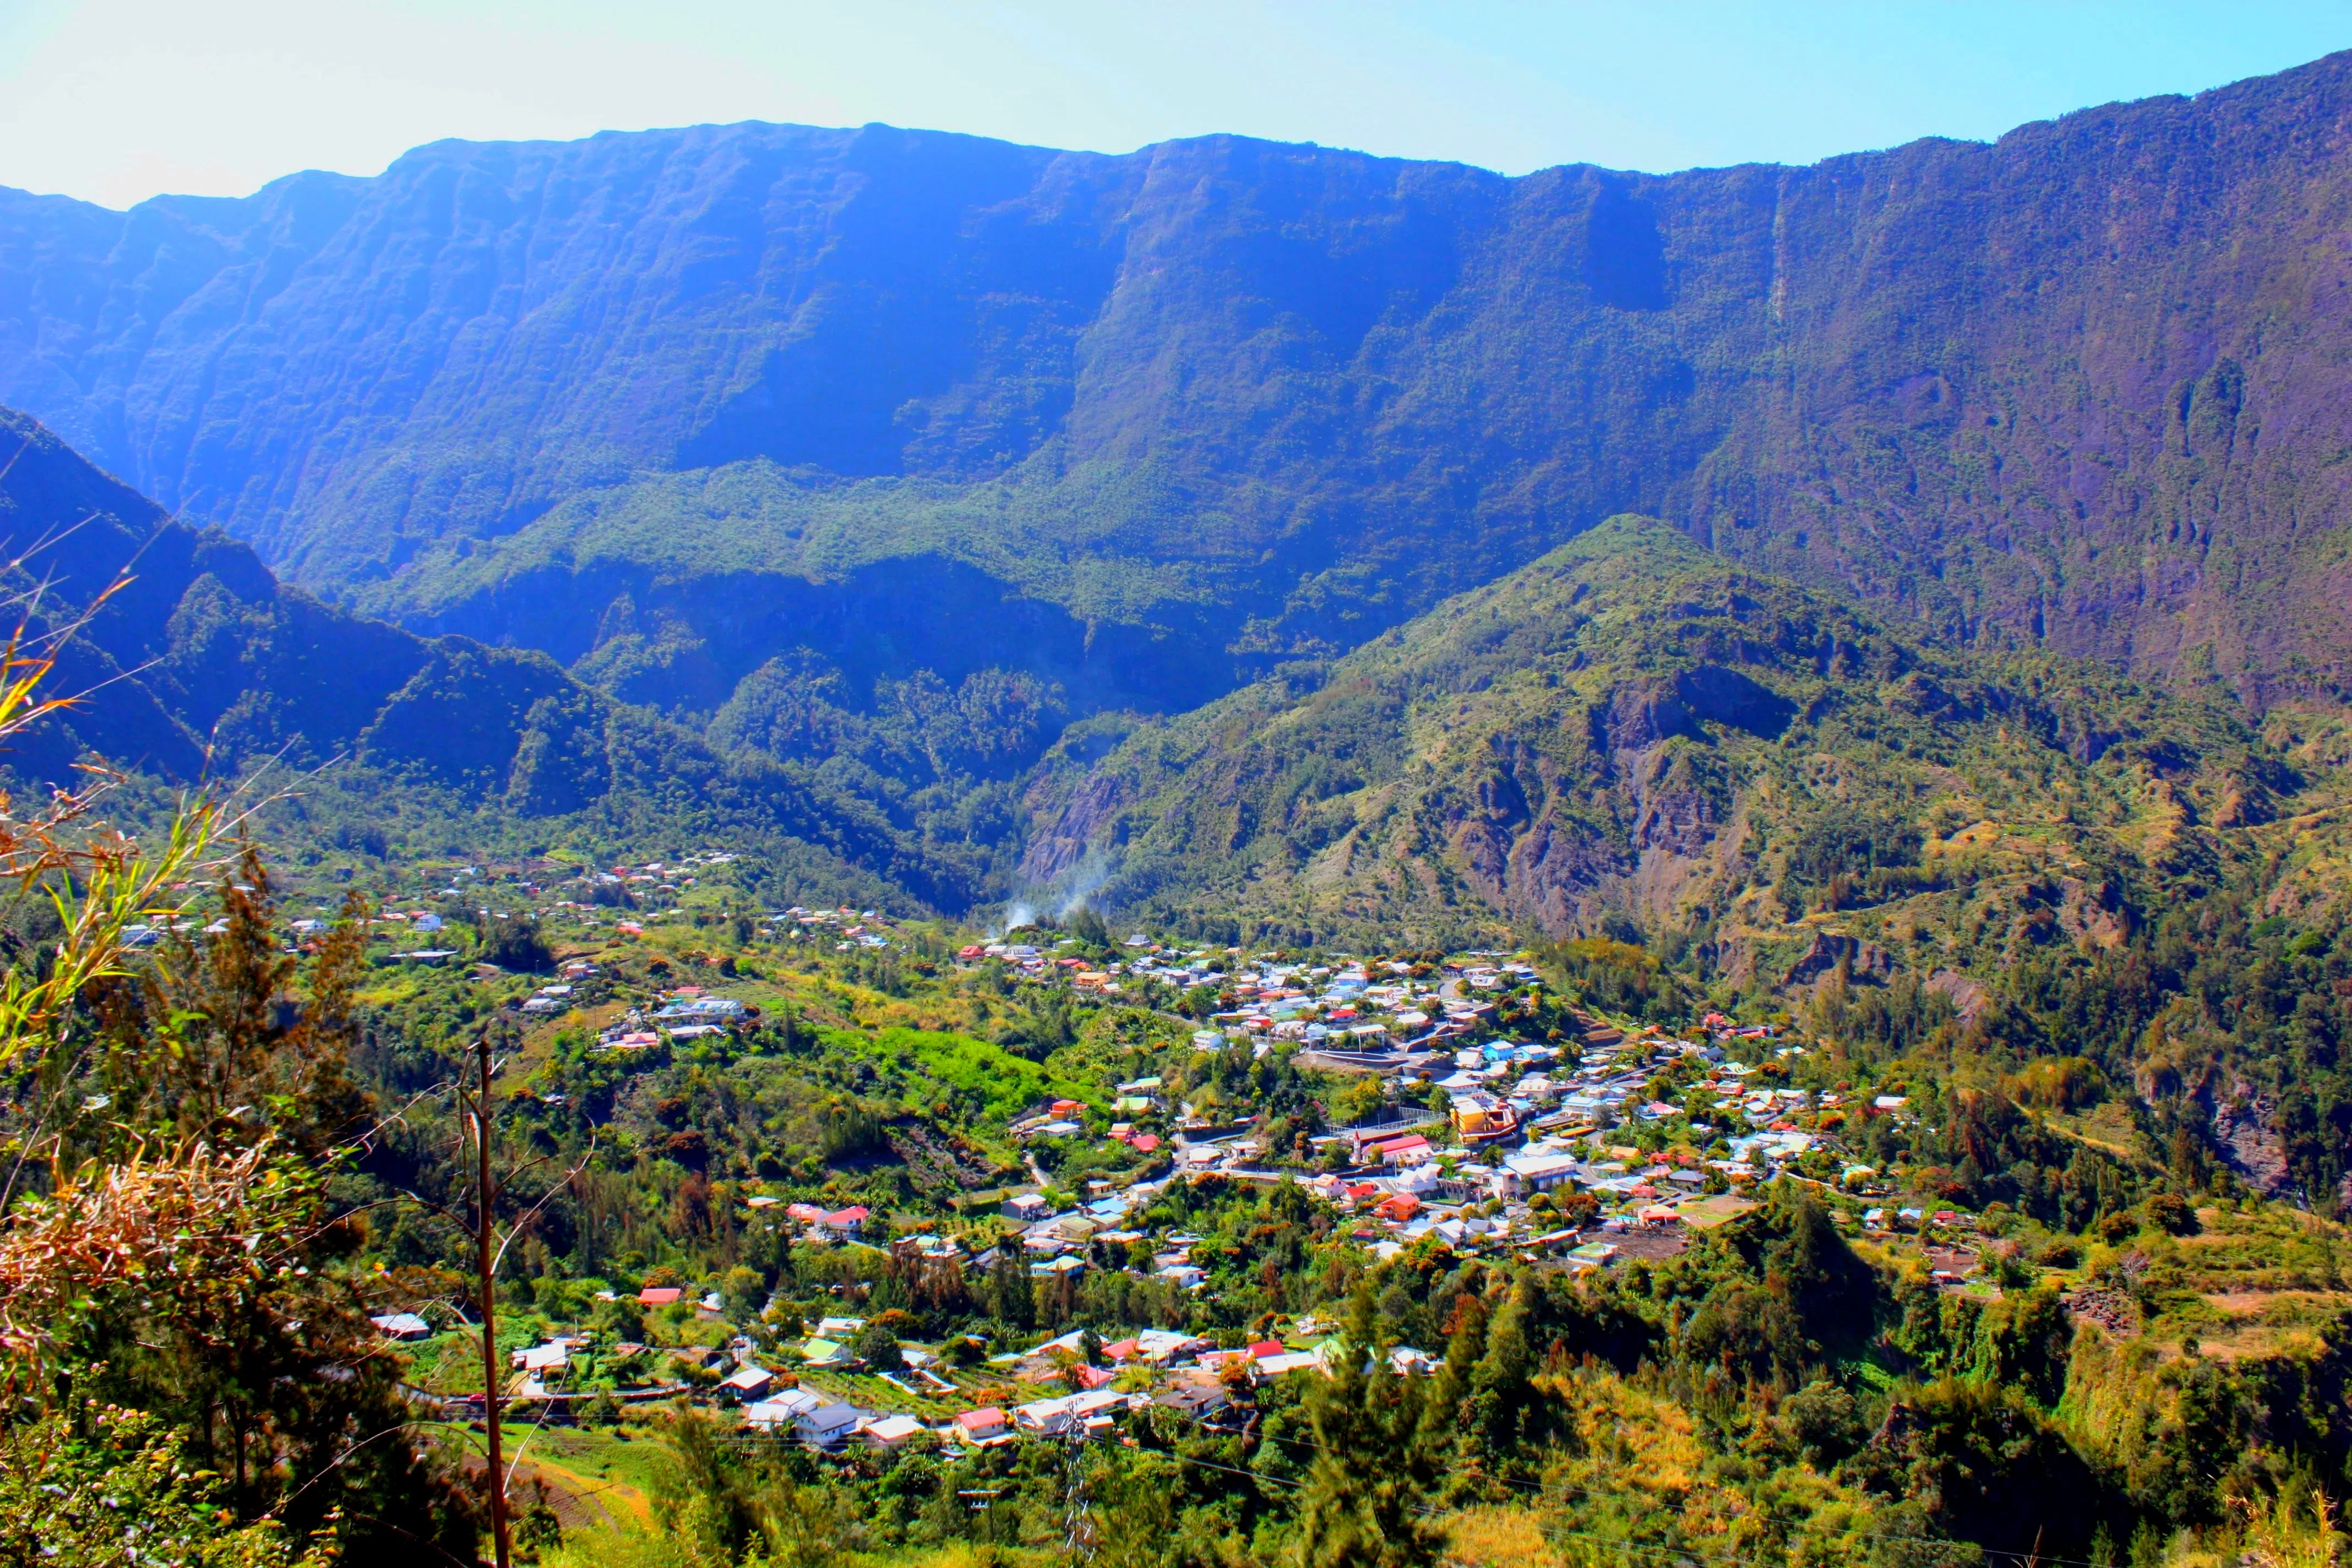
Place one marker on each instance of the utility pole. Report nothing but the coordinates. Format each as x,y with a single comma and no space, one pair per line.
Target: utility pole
486,1190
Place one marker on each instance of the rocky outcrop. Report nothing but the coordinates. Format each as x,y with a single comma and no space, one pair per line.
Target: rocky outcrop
2244,1131
1970,997
2094,914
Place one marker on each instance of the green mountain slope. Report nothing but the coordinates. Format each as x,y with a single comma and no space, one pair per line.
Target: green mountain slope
1635,734
204,665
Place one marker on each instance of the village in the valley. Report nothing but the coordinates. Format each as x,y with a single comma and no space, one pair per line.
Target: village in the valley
1454,1132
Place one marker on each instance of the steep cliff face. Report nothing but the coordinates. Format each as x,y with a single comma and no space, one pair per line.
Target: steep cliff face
2082,385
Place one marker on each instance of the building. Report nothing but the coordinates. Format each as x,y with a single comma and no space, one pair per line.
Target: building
982,1425
702,1010
538,1360
1195,1400
1541,1172
748,1382
809,1415
1400,1149
402,1326
892,1431
828,1424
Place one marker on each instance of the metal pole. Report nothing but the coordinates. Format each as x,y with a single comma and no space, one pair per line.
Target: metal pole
496,1476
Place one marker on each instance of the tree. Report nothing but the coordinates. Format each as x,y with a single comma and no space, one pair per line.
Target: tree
513,942
181,1259
731,1504
1361,1506
1132,1515
1010,1300
193,1264
878,1347
111,1488
1498,1386
241,1050
1089,929
742,1292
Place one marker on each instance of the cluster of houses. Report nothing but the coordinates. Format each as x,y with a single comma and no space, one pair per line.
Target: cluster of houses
688,1013
1182,1374
647,884
849,928
1350,1005
1412,1179
1363,1004
1189,1377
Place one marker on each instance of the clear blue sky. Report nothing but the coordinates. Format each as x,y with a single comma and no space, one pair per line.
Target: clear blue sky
114,101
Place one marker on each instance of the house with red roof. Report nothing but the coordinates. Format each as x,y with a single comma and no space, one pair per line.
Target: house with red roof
982,1424
1407,1149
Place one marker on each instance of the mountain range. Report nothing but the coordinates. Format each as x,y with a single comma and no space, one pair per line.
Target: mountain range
932,498
657,399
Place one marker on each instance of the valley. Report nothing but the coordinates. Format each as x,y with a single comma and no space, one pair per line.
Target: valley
874,849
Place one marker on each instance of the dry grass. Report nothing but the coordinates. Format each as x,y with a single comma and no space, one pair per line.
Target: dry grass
1499,1538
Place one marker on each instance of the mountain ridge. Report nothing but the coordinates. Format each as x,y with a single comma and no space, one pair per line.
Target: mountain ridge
2073,386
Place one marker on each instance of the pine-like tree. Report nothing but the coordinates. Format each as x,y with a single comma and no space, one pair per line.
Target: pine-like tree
1366,1499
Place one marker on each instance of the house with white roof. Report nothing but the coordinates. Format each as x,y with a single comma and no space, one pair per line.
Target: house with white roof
748,1382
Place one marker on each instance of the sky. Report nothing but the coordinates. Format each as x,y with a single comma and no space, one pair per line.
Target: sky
116,100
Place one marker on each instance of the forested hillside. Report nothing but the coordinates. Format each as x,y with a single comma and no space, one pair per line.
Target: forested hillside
654,401
1636,731
190,666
